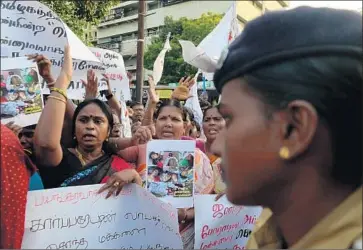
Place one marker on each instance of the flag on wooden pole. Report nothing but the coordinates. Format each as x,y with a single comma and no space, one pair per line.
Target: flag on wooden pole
159,62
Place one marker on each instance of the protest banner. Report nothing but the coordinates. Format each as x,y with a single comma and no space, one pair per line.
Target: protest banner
80,218
222,225
170,171
29,27
114,66
21,95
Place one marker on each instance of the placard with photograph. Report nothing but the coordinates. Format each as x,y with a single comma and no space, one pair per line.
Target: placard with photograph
21,95
170,171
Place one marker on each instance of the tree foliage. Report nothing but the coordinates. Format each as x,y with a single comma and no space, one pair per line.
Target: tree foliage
183,29
78,14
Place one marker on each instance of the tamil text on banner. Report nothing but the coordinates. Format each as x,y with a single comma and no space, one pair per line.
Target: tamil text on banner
21,95
115,70
80,218
76,90
222,225
170,171
29,27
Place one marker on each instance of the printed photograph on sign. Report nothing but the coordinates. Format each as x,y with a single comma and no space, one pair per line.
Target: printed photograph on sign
170,171
21,95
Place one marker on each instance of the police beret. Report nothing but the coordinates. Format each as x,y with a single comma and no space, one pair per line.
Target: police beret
289,34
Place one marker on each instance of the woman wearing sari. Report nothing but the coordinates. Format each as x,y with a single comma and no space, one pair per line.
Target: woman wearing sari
213,124
16,171
170,124
88,161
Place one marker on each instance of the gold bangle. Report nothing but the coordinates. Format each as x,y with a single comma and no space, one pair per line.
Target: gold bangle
60,91
57,98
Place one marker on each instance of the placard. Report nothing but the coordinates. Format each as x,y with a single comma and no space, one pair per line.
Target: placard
170,171
222,225
115,70
29,27
80,218
21,95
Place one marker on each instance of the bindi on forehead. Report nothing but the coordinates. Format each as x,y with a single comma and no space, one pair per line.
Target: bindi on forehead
92,117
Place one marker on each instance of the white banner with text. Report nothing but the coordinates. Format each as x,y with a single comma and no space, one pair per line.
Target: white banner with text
80,218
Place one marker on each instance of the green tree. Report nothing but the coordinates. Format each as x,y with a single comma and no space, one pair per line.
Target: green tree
183,29
78,14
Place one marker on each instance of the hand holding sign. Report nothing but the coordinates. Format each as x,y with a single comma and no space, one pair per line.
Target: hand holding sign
44,67
143,134
116,182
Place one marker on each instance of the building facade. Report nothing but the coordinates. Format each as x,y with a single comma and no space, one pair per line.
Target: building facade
118,31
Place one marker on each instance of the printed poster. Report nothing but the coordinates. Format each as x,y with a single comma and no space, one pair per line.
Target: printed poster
222,225
21,95
170,171
114,65
29,27
80,218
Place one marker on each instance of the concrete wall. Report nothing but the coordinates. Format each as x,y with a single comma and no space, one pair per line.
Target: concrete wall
127,26
155,18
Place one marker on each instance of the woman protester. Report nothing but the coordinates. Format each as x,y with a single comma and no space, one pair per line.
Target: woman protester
88,161
213,124
16,171
170,124
291,95
25,135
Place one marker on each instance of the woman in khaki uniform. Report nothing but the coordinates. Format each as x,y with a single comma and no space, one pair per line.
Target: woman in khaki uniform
291,91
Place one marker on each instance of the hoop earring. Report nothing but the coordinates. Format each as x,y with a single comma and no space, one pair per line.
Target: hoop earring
284,153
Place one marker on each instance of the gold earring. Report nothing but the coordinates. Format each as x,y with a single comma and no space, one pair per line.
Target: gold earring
284,153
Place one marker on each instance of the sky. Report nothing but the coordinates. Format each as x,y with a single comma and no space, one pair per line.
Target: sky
352,5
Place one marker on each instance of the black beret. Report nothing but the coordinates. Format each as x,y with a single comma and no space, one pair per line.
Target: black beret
289,34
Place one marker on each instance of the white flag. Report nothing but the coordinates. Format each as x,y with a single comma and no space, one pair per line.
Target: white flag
196,57
209,50
159,62
193,102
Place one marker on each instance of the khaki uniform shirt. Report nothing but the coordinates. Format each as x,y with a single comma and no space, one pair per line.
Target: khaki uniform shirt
340,229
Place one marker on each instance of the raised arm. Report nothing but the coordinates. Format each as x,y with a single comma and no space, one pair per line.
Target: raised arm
45,71
48,132
112,100
181,92
152,101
